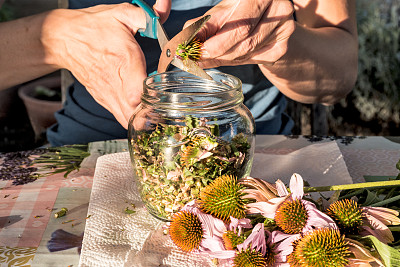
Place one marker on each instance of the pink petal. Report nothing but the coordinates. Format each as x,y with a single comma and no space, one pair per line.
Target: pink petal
284,242
239,224
385,215
316,219
223,254
256,239
383,232
281,188
361,254
212,244
254,194
296,186
266,209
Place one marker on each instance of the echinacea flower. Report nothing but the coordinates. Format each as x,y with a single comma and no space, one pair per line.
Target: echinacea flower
353,219
184,231
324,247
293,214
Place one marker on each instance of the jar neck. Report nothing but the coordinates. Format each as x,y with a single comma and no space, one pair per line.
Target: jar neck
181,91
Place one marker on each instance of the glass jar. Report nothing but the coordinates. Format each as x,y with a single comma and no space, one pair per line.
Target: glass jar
186,132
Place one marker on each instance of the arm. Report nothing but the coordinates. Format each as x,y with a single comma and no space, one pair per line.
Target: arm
22,54
311,60
96,44
320,64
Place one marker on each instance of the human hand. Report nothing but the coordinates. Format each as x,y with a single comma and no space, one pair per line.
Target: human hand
246,32
97,45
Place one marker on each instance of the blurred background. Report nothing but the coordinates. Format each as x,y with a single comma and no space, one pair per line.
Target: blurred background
372,108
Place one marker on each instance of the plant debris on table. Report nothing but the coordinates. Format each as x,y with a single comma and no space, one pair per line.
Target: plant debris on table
24,167
173,163
16,166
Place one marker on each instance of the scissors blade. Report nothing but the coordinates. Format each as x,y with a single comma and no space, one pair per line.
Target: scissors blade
162,36
191,67
168,51
188,33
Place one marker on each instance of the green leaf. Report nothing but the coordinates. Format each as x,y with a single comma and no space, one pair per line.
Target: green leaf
371,198
389,255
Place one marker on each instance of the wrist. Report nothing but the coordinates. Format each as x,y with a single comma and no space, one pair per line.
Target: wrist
52,38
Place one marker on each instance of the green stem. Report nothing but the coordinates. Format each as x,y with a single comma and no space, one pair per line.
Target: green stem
386,201
351,186
394,228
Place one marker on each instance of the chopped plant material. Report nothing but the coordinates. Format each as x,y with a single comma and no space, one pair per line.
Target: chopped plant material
129,211
68,221
61,213
16,166
174,163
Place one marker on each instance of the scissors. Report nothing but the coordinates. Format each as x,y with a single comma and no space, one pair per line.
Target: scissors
155,30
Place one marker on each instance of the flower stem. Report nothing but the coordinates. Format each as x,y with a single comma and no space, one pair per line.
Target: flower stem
351,186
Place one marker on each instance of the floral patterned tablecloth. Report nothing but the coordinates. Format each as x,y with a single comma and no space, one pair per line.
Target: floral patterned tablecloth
31,235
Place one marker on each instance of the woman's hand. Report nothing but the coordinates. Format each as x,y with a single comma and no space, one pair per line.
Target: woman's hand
246,32
97,45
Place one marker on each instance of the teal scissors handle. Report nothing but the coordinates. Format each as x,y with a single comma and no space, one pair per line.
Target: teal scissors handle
151,20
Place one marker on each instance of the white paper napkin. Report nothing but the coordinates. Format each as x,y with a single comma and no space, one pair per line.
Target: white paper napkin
319,164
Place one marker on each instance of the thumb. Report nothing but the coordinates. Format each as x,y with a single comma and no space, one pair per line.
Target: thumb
162,7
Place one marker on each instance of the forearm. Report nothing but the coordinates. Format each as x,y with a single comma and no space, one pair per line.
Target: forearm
320,65
22,54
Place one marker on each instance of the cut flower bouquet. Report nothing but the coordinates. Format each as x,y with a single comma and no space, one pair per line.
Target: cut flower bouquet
250,222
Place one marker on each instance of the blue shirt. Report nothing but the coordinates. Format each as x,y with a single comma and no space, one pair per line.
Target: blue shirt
83,120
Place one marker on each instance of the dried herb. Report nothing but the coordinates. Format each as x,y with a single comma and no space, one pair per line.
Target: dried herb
129,211
61,213
174,162
16,166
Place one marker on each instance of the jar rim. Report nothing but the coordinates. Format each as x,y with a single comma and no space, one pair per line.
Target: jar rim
182,90
230,83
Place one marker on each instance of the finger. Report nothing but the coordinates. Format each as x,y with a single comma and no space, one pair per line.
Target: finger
131,16
234,28
268,41
162,8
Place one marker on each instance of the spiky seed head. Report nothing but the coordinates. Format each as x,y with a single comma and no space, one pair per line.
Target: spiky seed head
231,239
223,198
347,215
191,50
321,248
186,230
249,258
291,216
